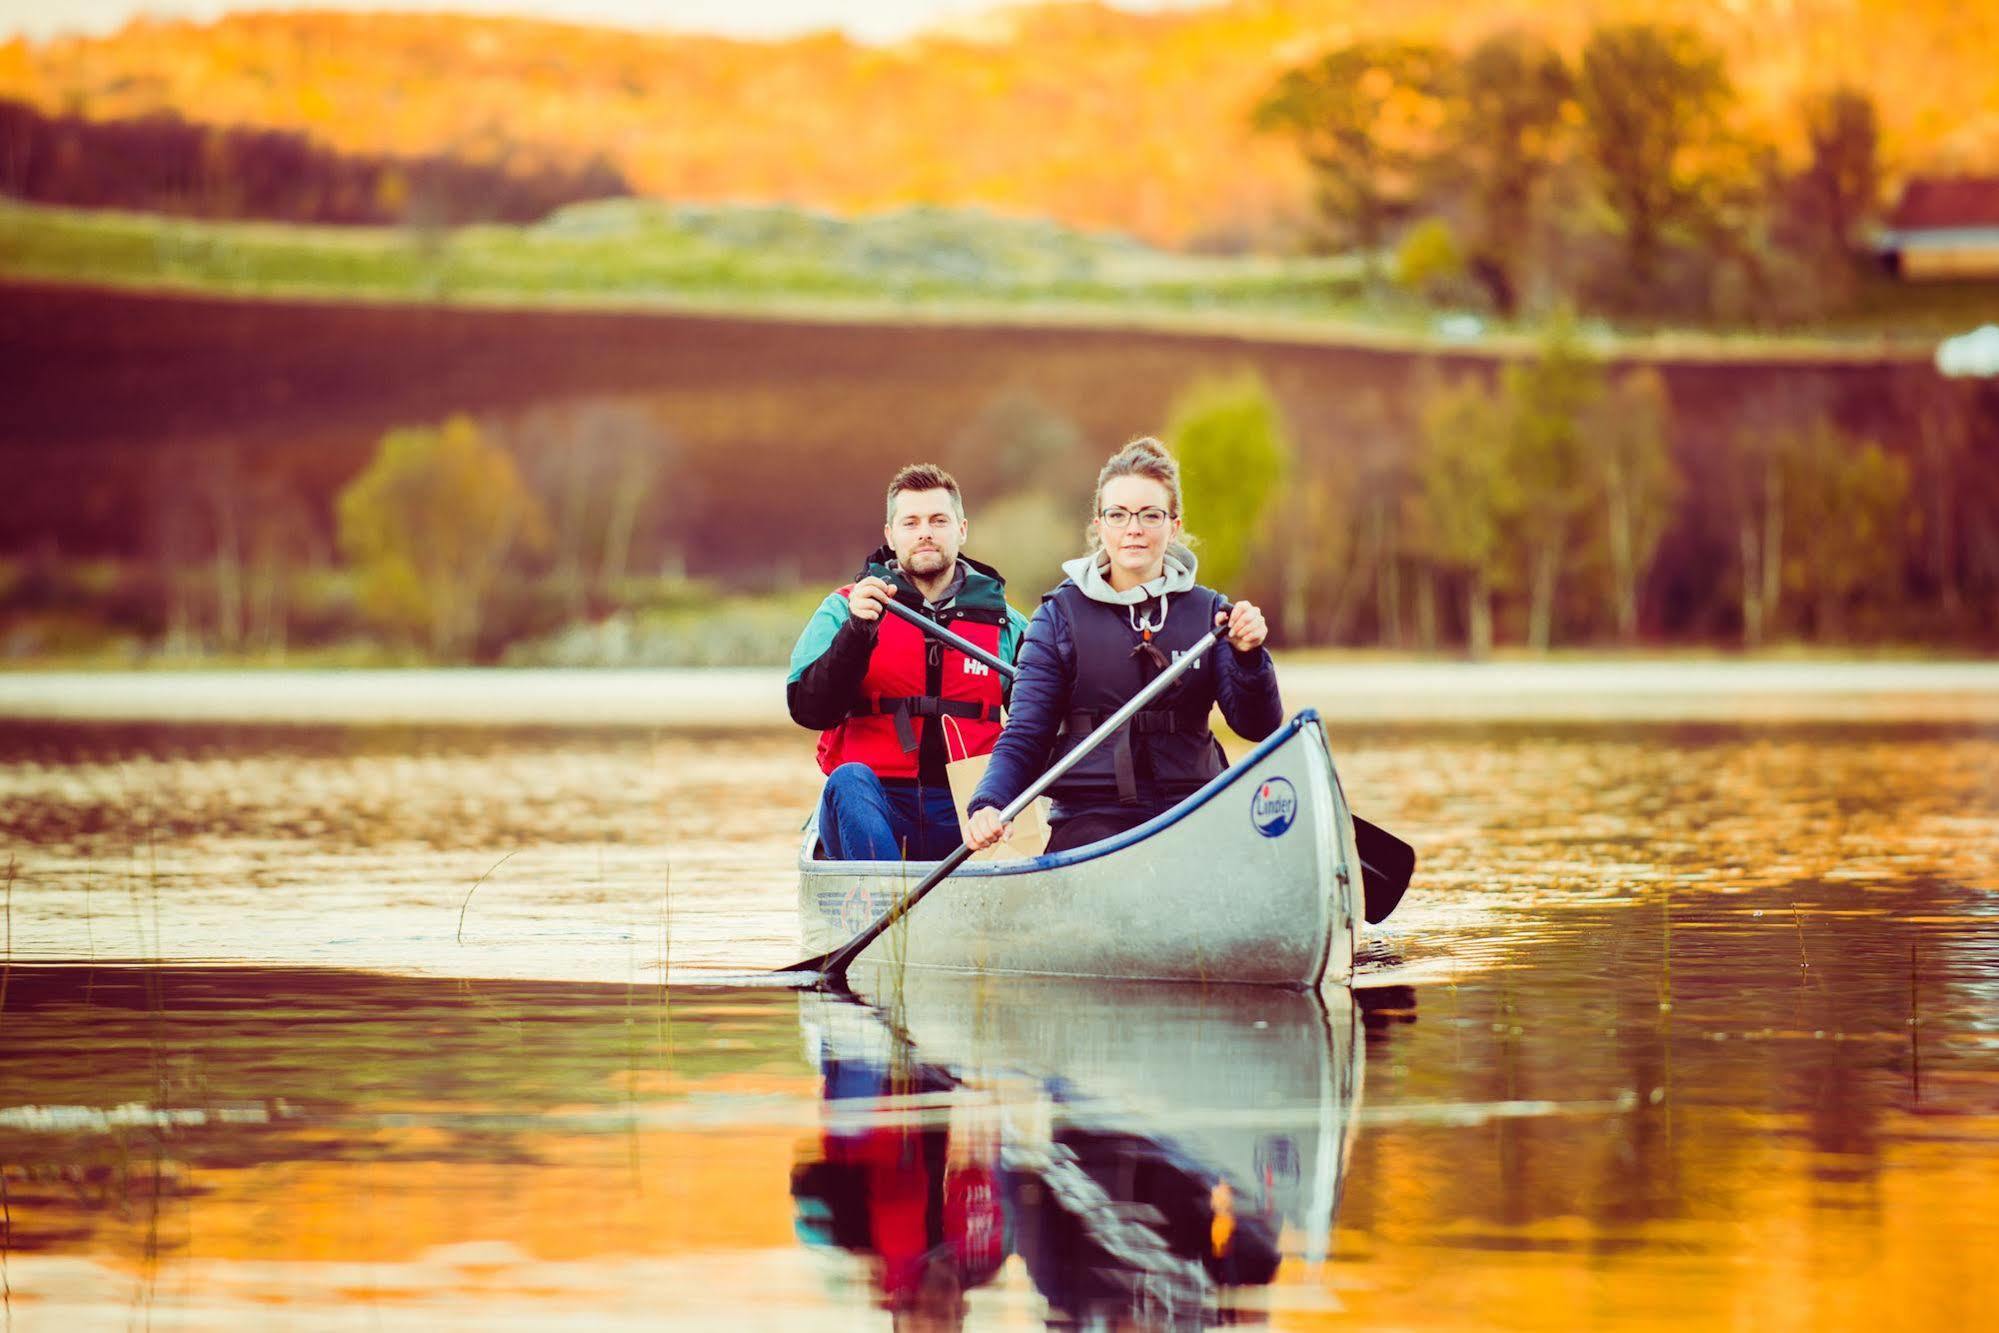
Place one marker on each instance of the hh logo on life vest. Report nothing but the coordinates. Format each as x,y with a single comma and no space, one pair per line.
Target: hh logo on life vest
977,668
1274,807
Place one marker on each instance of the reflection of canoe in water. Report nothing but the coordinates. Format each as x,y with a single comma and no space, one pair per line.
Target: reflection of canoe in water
1128,1142
1254,878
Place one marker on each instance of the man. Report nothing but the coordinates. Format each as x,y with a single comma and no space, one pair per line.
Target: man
892,704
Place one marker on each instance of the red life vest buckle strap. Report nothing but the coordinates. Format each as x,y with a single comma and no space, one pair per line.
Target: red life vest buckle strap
928,706
902,710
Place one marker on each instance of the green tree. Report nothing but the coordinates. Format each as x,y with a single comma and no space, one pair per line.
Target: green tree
1654,101
1507,120
1842,182
1848,503
1634,481
1546,400
430,525
1368,118
1464,498
1831,200
1234,450
1429,262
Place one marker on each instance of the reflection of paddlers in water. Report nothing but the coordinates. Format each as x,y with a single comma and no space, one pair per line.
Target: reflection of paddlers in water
1111,1226
1117,1226
893,705
1124,612
923,1199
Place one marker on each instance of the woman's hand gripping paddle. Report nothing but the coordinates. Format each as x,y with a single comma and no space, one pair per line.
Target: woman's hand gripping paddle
831,968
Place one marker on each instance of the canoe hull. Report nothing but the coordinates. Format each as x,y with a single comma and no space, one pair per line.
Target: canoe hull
1254,879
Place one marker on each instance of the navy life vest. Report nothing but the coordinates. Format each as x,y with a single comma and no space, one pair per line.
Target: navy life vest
1167,751
913,680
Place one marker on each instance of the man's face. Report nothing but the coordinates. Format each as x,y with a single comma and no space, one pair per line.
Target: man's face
925,532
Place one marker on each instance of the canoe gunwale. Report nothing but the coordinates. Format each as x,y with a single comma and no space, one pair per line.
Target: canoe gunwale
1218,784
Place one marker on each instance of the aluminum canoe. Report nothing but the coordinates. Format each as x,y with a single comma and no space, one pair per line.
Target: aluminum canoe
1254,879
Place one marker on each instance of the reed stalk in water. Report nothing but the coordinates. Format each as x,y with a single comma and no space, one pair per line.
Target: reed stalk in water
663,1024
6,1245
475,888
1915,1028
7,961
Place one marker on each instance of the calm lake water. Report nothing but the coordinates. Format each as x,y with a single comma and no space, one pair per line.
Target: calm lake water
1685,1024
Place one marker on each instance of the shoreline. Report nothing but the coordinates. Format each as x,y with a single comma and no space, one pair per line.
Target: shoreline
1642,690
1679,345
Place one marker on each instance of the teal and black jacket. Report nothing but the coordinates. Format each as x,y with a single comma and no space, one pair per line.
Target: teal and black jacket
840,665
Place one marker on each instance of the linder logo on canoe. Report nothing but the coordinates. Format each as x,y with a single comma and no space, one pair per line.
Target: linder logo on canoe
1274,807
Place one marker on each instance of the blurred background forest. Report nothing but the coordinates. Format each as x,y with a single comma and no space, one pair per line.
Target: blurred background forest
334,337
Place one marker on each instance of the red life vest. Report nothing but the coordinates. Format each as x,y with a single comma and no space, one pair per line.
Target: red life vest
885,729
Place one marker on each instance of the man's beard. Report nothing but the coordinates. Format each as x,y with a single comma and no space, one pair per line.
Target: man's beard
926,562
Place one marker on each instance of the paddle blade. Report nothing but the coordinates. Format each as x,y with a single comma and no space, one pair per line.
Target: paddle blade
1386,864
825,972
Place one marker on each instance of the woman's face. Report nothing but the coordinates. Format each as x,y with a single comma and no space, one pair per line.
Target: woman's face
1137,551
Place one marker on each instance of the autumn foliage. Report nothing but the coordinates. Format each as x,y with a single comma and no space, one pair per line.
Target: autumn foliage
1081,113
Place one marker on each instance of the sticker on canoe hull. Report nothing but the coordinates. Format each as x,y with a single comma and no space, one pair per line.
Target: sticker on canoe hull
859,909
1273,807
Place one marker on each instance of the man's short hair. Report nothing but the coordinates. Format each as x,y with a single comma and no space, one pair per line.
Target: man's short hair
924,477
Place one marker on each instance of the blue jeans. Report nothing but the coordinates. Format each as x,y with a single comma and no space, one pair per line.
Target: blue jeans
862,819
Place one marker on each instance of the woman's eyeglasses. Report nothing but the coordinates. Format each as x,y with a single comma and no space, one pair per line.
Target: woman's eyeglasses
1151,518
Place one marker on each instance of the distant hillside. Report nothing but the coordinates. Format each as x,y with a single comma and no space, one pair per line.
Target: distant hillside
1094,117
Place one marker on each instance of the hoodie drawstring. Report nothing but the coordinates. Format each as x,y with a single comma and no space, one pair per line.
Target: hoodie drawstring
1145,629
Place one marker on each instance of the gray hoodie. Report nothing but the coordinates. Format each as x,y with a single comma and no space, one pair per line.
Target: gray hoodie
1244,684
1091,573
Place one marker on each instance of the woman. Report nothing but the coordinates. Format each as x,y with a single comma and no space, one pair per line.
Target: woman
1125,610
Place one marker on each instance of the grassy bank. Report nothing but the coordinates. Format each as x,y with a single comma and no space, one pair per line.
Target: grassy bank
910,265
624,252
